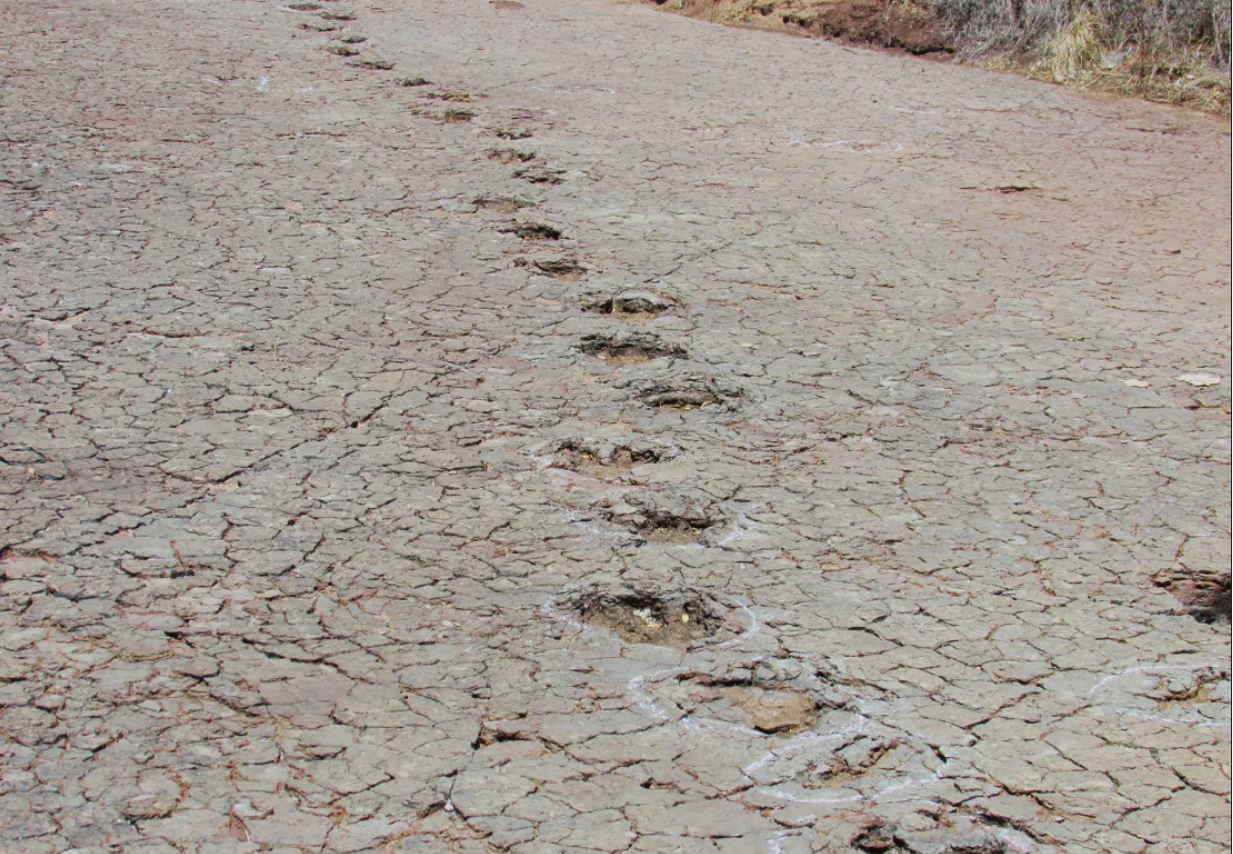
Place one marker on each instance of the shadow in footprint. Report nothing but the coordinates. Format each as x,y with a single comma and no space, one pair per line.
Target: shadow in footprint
629,305
501,204
373,65
532,231
566,269
682,399
509,155
606,460
630,349
540,176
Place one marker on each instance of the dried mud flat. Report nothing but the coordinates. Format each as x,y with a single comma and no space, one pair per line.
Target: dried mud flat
785,449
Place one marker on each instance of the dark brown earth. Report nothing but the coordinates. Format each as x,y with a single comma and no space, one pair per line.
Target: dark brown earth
675,620
1205,592
876,23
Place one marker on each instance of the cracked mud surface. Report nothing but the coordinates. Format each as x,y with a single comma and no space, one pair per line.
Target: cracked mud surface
291,537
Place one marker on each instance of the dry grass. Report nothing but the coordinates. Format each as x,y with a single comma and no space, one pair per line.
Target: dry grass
731,12
1075,52
1177,76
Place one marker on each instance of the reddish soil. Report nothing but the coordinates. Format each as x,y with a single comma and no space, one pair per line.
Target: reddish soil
875,23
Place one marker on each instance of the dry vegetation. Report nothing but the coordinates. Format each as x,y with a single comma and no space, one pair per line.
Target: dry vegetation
1175,51
1167,50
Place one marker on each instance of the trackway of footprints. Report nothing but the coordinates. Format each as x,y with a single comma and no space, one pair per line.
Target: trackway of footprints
795,739
635,306
798,737
393,542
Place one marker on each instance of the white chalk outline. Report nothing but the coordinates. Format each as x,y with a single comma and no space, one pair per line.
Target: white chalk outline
903,789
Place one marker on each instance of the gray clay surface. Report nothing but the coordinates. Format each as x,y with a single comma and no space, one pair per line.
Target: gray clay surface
902,388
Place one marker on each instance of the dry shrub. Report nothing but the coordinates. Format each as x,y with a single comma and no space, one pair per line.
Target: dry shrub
1222,32
1167,50
1075,51
1029,25
985,26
